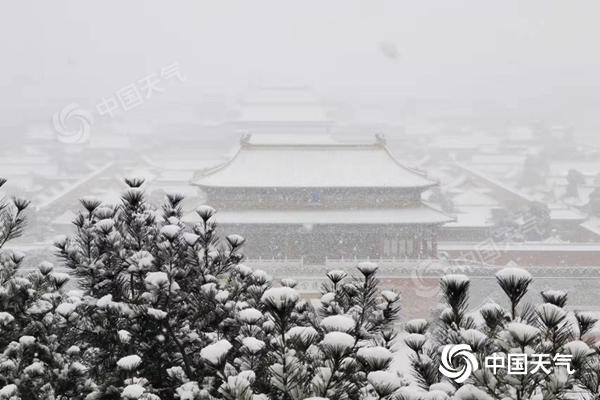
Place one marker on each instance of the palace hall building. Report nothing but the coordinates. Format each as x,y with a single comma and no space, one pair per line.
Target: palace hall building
313,198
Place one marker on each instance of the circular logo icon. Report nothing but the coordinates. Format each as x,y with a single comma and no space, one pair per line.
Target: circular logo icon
463,352
83,118
425,278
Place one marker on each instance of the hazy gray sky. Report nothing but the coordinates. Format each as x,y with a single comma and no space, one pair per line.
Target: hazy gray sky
515,53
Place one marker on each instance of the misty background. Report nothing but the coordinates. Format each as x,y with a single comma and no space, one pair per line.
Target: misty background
505,62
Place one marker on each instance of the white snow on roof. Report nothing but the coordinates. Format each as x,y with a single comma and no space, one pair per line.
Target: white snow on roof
489,159
327,216
46,201
66,218
283,114
565,214
471,220
313,166
474,198
522,246
176,175
292,139
592,224
561,168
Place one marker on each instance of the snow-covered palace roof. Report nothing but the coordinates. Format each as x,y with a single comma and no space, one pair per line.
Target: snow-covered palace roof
312,164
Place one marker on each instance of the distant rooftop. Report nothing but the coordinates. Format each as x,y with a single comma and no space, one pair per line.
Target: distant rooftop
282,104
312,161
287,139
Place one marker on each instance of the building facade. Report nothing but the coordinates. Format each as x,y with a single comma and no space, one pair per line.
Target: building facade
310,197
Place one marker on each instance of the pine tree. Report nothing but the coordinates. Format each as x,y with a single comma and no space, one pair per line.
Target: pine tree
546,329
34,361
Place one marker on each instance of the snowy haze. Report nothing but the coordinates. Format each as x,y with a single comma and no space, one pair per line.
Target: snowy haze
503,60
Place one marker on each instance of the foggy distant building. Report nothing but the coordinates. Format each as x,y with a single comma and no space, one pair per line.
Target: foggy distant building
281,110
294,196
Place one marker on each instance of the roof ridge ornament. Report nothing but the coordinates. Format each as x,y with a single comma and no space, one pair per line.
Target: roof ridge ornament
380,140
245,139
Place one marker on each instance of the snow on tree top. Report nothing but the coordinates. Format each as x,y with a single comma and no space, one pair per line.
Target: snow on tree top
415,340
190,238
90,199
216,351
39,307
157,314
412,393
253,344
250,315
170,231
8,391
235,238
338,339
490,307
205,210
555,293
65,309
472,336
26,340
328,298
77,366
124,336
105,224
133,392
188,391
389,296
222,295
513,273
455,278
301,331
340,323
104,301
522,331
367,267
260,274
157,279
445,387
75,293
379,353
468,392
337,275
209,287
383,379
577,348
129,363
5,318
417,323
243,269
60,276
547,310
35,368
436,395
280,295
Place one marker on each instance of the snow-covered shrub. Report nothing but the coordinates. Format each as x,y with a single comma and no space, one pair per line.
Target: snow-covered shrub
35,363
169,307
492,331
